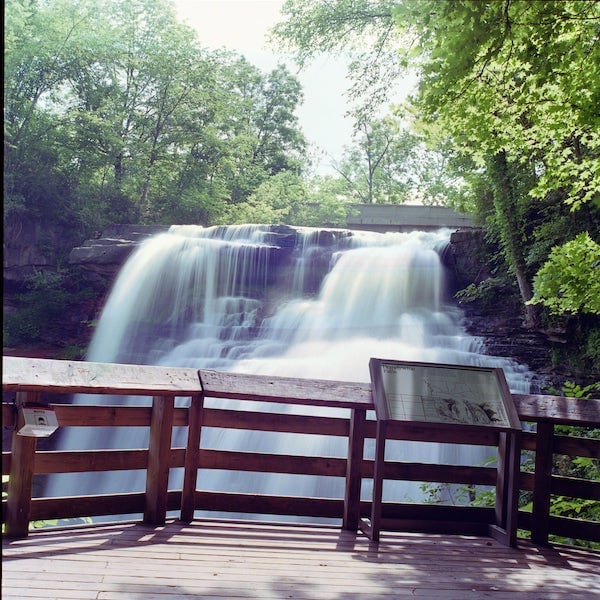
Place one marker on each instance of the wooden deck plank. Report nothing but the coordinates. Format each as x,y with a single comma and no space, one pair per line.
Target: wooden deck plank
228,559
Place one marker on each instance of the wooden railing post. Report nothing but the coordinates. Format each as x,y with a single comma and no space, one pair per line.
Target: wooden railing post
356,442
192,454
514,469
542,482
20,483
373,531
507,488
159,457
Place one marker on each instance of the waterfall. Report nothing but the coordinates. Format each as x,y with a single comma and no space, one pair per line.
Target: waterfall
298,302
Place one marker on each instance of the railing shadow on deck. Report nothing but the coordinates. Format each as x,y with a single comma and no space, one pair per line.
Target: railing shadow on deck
28,380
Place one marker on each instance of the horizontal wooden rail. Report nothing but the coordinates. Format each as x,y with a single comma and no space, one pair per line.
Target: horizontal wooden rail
313,392
558,409
199,392
68,377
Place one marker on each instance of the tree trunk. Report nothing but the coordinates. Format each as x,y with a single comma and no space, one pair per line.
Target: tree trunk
506,207
118,166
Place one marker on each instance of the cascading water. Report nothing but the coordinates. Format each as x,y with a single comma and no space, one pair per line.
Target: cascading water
279,301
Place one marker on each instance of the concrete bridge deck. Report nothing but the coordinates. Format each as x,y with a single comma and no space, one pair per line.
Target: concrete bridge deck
405,217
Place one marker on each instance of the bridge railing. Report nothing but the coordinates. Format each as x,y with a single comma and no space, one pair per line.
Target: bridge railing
31,381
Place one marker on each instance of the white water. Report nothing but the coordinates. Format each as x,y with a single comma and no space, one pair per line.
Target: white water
216,298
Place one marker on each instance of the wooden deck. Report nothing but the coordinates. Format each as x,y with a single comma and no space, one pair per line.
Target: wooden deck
232,559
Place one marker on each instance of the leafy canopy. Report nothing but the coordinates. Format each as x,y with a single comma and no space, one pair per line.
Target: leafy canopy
514,76
569,281
361,31
115,113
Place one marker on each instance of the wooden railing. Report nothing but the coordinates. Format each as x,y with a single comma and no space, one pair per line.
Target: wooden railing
29,381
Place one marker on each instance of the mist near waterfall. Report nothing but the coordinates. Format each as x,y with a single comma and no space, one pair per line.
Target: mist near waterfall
299,302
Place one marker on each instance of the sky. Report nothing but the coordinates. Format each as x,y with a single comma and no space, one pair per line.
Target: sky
242,26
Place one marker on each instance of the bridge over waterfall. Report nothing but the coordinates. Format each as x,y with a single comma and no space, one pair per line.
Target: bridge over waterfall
405,217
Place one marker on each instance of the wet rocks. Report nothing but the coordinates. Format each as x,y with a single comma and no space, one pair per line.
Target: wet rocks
106,253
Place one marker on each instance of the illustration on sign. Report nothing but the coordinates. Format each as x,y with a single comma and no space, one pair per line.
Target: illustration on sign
439,394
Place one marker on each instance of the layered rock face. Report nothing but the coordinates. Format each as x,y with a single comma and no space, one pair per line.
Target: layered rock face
106,253
28,247
499,322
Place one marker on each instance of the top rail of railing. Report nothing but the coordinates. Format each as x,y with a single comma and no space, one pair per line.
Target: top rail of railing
61,376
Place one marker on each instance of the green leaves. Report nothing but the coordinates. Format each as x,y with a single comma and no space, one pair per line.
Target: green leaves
388,164
113,112
287,198
515,86
362,31
521,77
569,281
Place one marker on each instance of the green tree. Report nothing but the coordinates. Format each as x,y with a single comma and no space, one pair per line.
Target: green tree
511,85
369,167
329,202
514,84
136,104
389,164
569,281
363,31
115,113
260,126
288,198
514,76
274,201
42,52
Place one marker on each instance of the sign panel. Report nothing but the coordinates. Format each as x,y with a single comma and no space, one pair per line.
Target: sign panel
438,393
38,422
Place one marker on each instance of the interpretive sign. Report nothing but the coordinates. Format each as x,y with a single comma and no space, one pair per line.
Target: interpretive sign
438,393
449,404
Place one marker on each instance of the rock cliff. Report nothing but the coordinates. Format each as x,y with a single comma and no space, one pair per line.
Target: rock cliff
500,323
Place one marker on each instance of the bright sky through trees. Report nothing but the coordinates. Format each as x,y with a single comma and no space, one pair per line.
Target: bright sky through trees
242,26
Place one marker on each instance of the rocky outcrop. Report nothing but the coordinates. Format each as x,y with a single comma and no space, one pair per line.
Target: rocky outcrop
499,321
105,254
466,257
31,246
504,335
